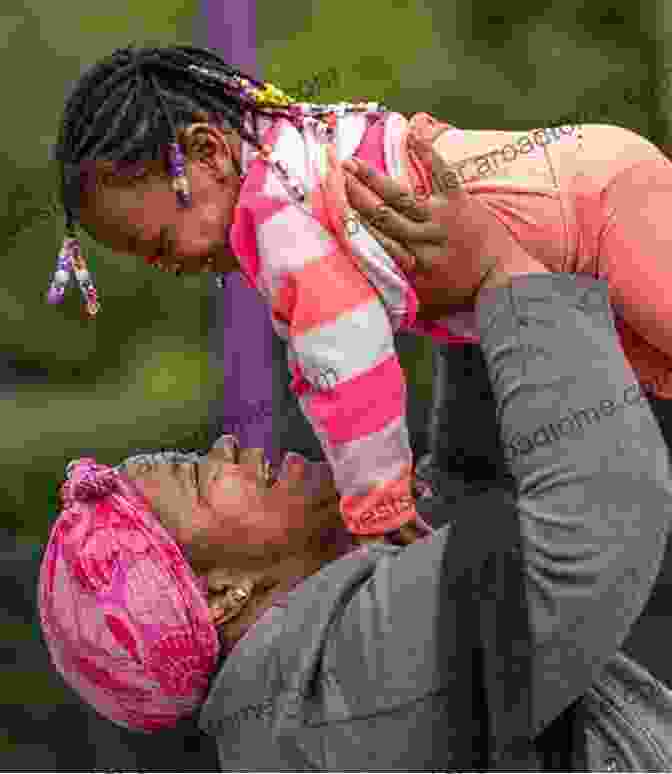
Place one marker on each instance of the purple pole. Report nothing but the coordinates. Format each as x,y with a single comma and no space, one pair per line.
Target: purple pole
243,332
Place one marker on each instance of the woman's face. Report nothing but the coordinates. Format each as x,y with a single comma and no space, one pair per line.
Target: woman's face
141,215
226,512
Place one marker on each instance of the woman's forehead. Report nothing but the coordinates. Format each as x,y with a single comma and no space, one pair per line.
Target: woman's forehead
151,459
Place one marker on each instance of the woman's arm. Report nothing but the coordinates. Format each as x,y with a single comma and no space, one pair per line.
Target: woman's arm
594,493
594,505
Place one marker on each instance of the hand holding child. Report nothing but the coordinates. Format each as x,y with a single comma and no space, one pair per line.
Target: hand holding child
448,243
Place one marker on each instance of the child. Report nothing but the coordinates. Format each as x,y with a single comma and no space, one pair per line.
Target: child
334,294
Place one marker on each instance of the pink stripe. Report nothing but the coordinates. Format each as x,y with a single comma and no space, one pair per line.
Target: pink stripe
363,405
299,384
371,148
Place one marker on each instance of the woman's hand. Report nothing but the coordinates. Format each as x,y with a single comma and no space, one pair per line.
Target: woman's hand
449,243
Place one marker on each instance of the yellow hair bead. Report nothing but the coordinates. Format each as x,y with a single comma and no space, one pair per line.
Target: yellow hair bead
270,95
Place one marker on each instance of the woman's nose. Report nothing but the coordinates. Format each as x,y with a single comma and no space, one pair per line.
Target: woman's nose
314,475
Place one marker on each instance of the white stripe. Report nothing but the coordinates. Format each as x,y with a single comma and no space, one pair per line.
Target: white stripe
278,240
351,345
291,147
395,128
351,129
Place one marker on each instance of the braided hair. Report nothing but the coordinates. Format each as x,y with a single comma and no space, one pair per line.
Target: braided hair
127,108
131,107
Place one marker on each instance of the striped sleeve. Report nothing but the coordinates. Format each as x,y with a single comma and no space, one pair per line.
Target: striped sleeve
346,373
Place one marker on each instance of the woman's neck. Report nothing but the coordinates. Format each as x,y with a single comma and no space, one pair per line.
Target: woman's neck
333,544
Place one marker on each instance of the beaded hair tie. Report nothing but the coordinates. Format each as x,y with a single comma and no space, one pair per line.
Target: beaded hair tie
70,260
251,93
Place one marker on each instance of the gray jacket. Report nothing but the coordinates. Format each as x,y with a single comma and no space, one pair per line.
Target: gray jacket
363,666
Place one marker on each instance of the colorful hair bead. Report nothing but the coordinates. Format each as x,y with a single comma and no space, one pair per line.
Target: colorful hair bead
63,272
71,261
84,280
178,172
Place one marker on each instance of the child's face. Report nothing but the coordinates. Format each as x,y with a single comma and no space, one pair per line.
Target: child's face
142,217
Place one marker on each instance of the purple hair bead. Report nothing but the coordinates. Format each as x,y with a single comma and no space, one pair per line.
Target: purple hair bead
63,272
55,295
177,170
176,161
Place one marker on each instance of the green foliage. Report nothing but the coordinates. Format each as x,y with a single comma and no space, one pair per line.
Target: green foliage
139,373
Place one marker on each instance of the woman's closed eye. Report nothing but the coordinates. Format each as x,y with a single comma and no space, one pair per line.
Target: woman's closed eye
195,479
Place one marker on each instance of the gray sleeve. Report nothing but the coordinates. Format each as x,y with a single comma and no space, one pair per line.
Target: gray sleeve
594,502
592,469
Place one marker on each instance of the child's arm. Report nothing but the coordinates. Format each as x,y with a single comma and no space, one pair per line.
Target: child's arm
339,334
350,386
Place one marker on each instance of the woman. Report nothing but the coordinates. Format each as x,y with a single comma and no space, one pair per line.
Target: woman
335,297
369,661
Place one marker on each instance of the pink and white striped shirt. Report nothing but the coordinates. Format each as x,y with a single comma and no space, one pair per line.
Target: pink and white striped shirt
336,298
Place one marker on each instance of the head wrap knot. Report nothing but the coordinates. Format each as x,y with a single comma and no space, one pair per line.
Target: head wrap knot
124,617
88,481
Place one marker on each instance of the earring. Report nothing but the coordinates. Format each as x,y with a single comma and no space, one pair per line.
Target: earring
226,605
240,594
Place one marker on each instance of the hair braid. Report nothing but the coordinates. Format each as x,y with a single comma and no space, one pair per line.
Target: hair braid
128,107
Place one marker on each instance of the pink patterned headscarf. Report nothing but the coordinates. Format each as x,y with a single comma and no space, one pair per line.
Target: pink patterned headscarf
124,616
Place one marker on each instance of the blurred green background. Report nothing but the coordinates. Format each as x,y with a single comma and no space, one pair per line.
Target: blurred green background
141,375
